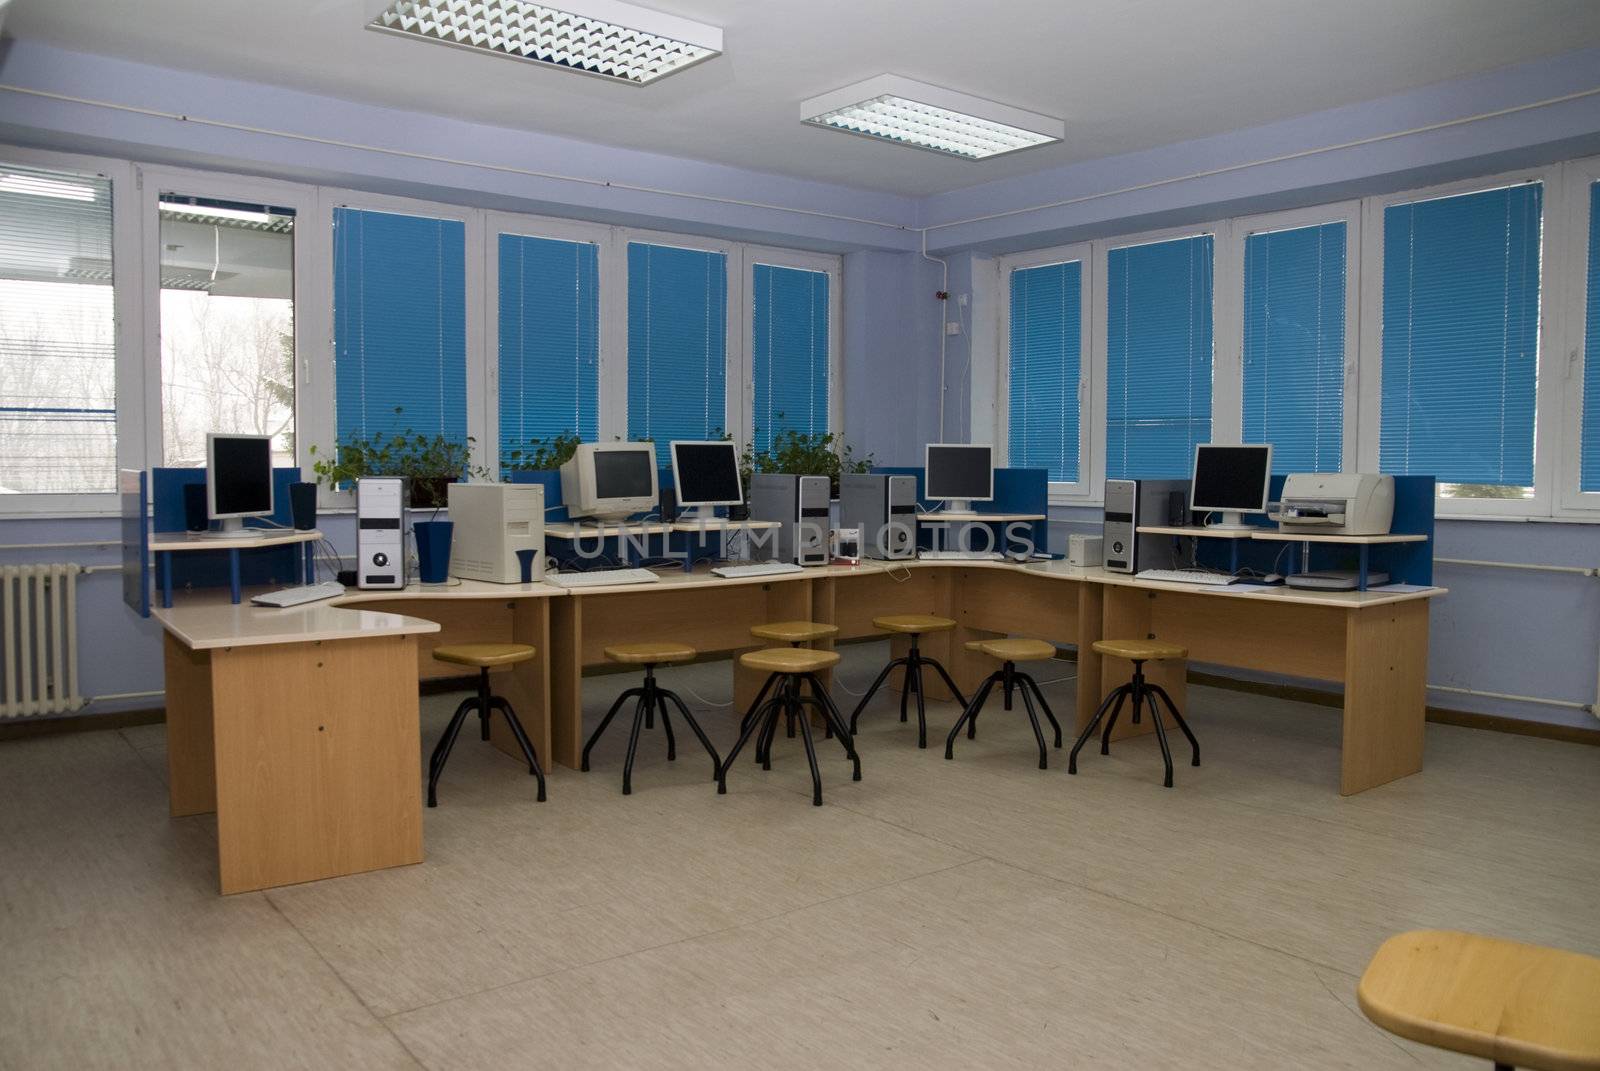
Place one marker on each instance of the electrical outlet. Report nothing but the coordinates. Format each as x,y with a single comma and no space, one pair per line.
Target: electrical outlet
963,299
951,327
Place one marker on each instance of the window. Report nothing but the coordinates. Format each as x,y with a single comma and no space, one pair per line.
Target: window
1158,357
57,349
789,351
1589,451
1294,335
549,331
677,344
1460,340
1046,344
227,325
399,316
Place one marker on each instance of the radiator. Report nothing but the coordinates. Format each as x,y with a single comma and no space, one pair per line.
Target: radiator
39,637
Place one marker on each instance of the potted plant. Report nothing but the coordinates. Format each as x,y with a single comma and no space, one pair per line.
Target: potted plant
805,454
432,462
540,455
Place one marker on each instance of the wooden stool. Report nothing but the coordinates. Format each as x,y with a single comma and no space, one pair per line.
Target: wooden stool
1141,692
1518,1005
788,668
1009,652
794,633
651,697
483,657
912,625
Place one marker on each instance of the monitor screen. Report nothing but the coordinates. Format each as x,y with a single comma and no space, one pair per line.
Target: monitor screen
706,474
1231,477
624,473
240,475
960,471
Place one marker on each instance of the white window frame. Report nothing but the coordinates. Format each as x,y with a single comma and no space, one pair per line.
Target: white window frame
1577,178
824,263
135,416
736,412
563,230
1547,401
1240,230
1075,492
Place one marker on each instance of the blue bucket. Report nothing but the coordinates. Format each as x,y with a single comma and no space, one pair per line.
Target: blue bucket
433,550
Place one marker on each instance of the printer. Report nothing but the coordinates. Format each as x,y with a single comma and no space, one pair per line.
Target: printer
1344,503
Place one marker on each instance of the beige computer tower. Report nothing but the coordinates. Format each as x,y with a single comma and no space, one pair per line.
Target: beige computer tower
493,521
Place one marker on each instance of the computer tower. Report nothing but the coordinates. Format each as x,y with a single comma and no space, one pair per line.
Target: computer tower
493,522
1131,503
884,508
800,506
381,532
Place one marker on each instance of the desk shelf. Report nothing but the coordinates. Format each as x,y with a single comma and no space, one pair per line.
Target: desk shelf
1191,531
165,544
977,518
1359,540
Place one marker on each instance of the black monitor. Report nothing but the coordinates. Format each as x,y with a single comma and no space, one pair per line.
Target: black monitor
238,480
1231,480
957,473
706,474
624,473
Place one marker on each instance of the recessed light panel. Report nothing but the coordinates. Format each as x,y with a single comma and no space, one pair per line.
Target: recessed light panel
603,37
930,117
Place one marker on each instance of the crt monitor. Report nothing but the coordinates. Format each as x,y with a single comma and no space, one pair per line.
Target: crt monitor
706,474
609,481
238,480
1232,481
958,473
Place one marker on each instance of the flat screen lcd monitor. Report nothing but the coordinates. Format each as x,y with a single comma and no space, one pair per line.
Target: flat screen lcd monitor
1231,480
958,473
706,474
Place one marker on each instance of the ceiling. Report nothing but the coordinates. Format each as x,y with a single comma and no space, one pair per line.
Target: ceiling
1124,74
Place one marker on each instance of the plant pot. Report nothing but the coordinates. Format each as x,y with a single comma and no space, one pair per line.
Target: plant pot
429,492
433,550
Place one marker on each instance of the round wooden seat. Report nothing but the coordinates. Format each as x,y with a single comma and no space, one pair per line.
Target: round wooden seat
484,655
793,631
650,654
1140,650
1015,650
1516,1004
918,623
789,660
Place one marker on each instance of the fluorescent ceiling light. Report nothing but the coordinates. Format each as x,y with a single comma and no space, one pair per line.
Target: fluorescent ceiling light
604,37
43,187
930,117
184,208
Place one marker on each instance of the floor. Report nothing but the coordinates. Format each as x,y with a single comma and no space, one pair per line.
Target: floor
975,913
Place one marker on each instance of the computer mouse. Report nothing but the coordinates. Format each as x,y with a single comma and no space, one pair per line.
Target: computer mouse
1272,578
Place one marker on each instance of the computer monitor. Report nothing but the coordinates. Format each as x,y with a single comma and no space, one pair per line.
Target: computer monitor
609,481
958,473
706,474
238,481
1231,480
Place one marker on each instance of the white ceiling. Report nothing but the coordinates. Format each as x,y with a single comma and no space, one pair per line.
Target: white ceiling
1124,74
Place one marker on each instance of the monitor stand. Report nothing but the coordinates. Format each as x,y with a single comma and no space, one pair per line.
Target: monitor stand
699,515
232,528
1232,521
957,507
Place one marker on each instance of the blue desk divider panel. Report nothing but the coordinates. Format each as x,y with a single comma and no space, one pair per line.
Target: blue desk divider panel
134,488
263,565
550,480
1015,491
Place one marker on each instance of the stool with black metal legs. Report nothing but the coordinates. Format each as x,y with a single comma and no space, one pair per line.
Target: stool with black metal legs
651,698
789,668
1141,693
1012,681
483,657
794,633
912,625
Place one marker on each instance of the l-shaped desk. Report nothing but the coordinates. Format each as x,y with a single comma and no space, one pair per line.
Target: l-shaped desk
299,726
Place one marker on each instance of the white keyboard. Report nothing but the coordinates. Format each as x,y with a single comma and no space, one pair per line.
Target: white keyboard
961,556
599,578
1186,576
298,596
738,572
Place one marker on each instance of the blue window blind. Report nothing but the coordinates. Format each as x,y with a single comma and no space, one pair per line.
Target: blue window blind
789,351
1461,336
1590,455
1158,357
399,324
1046,361
677,344
1294,301
549,330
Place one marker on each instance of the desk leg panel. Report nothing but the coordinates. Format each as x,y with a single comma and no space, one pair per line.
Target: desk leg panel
1385,694
191,753
317,760
527,685
1090,687
564,668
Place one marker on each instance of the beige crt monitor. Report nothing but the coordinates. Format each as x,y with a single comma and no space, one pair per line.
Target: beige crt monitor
493,522
610,481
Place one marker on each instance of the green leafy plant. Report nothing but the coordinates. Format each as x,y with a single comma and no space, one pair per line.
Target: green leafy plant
540,455
804,454
431,461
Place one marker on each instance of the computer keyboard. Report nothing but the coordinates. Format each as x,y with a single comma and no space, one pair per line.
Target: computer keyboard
597,578
298,596
961,556
1187,576
739,572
